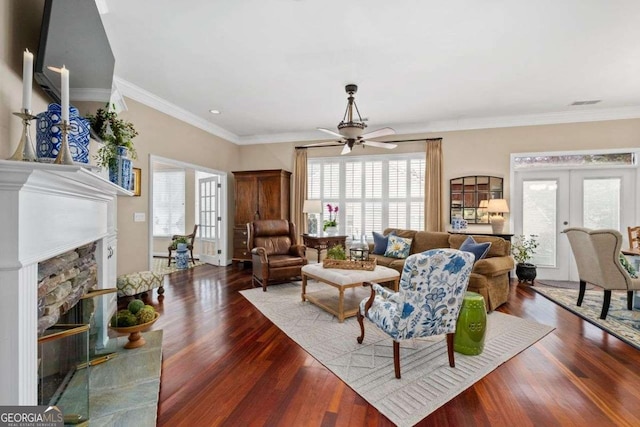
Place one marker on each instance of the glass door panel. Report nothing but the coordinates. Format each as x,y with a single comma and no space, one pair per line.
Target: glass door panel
539,217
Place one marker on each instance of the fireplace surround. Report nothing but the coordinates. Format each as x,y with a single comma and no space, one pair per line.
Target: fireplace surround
46,210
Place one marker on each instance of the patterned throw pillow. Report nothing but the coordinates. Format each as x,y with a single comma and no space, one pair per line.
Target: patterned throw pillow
380,242
627,266
398,247
479,250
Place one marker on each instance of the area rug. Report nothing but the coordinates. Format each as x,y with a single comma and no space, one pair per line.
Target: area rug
160,266
620,322
565,284
427,380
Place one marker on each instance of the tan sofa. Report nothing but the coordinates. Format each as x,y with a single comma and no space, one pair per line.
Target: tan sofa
490,276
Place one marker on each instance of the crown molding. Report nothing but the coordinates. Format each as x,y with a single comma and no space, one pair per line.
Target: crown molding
583,115
149,99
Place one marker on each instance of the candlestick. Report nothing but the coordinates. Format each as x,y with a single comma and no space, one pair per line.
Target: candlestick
27,79
64,89
64,154
25,151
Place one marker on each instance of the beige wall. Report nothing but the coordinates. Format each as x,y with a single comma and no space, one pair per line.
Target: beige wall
160,134
465,152
474,152
164,136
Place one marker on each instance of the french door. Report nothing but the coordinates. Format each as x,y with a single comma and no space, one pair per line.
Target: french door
546,202
210,220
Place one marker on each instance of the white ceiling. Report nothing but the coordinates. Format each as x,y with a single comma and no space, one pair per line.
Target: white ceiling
276,69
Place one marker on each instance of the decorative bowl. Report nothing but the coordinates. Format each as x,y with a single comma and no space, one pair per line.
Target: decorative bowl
135,337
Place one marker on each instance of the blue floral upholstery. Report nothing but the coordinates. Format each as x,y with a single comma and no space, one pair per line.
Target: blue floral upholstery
432,288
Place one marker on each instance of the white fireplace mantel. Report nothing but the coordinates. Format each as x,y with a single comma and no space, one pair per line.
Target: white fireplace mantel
45,210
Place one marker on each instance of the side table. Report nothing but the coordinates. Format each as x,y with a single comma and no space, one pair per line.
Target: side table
320,242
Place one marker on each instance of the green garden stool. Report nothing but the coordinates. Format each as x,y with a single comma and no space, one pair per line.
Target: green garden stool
471,325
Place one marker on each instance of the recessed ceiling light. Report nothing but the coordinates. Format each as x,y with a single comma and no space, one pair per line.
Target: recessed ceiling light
214,111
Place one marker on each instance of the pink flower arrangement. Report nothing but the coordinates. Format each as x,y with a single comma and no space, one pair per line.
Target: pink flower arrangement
333,214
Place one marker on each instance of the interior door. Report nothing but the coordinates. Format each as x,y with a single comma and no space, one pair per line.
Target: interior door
549,201
210,220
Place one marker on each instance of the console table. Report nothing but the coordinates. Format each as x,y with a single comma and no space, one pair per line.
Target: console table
505,236
320,242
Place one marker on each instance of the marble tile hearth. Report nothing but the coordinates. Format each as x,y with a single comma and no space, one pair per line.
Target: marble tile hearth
125,389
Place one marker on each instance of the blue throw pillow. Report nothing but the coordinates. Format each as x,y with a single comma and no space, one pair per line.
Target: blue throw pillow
380,242
479,250
398,247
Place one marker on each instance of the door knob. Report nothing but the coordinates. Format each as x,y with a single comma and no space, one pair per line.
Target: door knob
565,223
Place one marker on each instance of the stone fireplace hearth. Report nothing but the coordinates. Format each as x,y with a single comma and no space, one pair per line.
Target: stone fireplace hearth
47,210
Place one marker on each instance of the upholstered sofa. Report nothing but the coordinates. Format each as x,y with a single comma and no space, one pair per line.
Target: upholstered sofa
489,277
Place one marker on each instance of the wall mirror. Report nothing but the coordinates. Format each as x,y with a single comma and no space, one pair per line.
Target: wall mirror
469,196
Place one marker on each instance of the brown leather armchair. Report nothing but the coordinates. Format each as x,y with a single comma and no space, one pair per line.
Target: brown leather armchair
276,256
190,239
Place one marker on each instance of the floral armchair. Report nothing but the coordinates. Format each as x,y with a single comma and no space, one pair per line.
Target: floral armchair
432,287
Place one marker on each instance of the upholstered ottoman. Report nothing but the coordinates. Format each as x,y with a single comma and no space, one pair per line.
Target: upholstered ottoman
137,283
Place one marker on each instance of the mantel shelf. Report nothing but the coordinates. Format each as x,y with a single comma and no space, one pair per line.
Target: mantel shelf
80,174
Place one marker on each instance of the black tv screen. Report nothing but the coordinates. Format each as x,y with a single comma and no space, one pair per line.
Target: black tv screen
72,35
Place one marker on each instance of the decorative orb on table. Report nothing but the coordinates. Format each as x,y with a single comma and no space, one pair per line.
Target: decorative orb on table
135,337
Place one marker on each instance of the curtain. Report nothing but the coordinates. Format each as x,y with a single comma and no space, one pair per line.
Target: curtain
299,191
433,186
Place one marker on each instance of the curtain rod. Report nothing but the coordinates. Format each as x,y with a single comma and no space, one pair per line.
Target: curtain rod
337,144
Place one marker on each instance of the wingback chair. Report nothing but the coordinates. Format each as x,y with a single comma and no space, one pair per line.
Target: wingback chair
432,287
274,252
190,237
597,255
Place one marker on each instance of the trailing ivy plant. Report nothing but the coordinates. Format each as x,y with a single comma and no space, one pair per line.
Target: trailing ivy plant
114,132
523,248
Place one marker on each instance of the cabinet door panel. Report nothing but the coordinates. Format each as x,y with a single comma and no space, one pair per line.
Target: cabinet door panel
269,198
246,200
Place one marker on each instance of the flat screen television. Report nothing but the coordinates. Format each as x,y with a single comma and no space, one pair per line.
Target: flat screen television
72,35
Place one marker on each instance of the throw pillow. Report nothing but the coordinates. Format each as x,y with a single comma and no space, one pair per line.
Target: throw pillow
479,250
627,266
380,242
398,247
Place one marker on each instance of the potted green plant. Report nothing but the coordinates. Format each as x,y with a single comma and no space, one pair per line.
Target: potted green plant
336,252
523,248
115,134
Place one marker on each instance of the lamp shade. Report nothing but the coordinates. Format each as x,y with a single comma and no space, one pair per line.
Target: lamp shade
498,206
312,206
484,204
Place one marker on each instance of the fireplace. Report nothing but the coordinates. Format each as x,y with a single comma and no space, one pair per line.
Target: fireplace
47,210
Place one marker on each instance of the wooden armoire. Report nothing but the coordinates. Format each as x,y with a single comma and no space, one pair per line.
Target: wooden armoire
259,195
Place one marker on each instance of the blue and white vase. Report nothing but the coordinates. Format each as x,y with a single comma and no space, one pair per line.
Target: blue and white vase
182,258
49,135
120,172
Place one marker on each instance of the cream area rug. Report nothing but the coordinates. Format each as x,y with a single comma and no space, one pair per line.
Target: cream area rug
427,380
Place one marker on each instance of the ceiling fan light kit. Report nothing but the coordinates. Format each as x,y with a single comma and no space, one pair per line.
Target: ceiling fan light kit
351,131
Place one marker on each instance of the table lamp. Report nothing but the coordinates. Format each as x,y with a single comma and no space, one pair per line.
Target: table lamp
497,207
312,208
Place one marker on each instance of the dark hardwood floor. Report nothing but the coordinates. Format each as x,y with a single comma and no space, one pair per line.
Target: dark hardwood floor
224,363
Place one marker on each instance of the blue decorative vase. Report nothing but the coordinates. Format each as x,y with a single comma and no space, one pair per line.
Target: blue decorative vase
49,135
182,258
120,172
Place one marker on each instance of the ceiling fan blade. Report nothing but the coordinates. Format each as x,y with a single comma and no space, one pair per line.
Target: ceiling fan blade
320,144
378,133
346,149
387,145
330,132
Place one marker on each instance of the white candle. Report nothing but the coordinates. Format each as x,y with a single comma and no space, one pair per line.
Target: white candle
64,103
27,78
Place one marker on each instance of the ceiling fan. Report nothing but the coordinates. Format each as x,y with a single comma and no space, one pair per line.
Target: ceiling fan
351,132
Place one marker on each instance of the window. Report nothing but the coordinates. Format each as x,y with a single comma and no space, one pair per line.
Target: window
372,192
168,202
